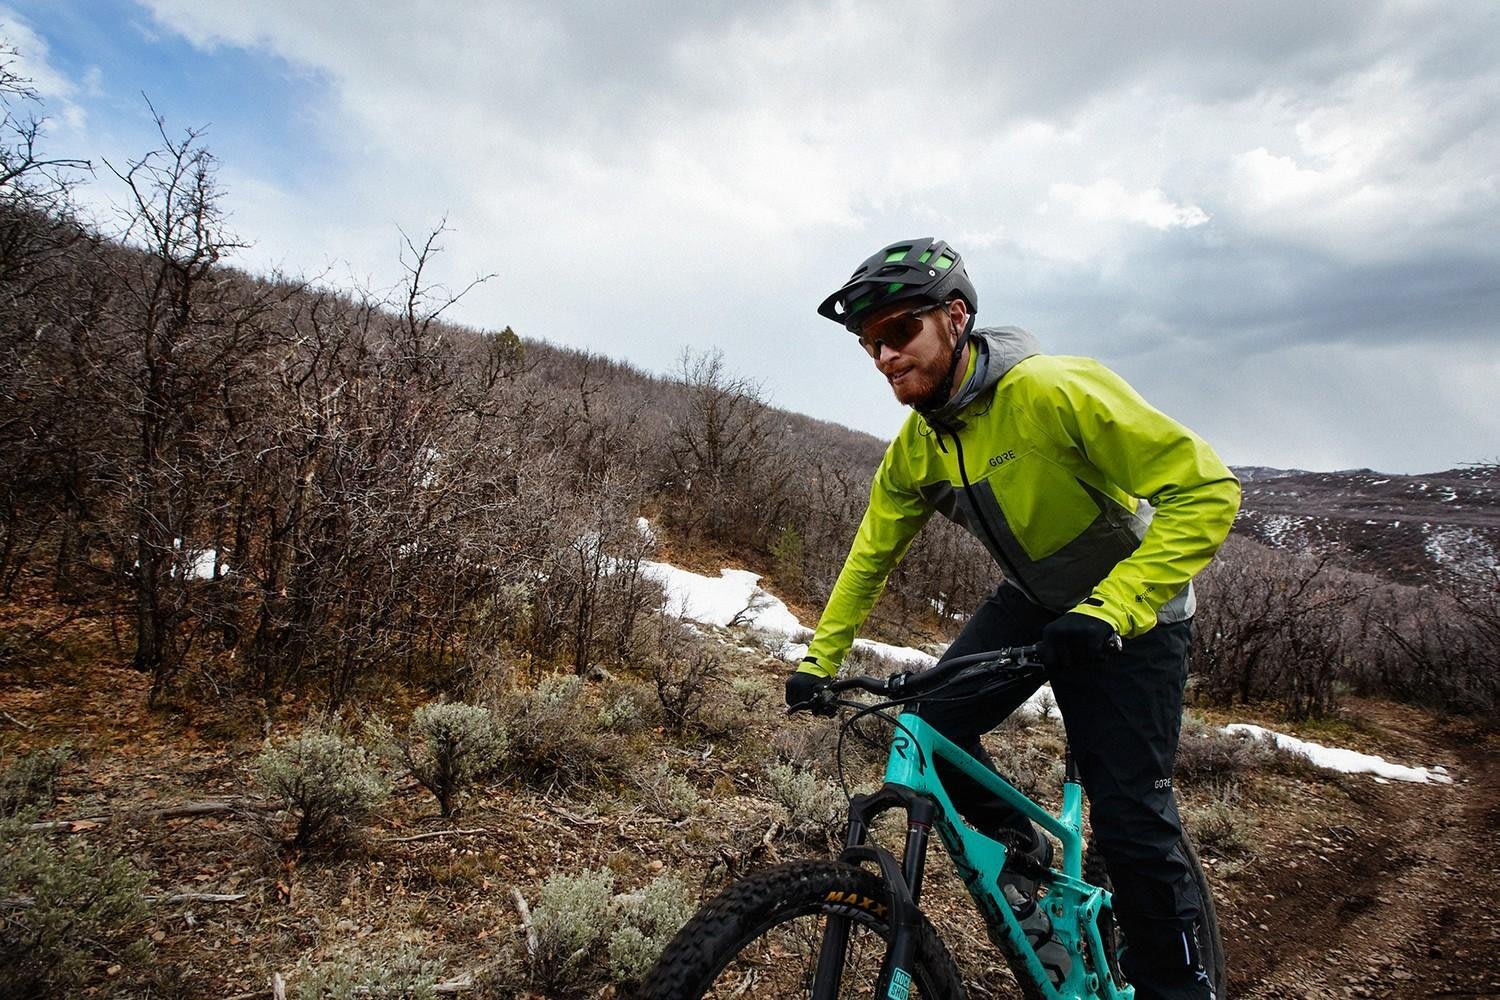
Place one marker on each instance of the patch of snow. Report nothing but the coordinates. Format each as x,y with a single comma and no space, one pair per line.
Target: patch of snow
1347,761
643,528
1283,529
1461,548
734,597
1379,482
200,565
905,656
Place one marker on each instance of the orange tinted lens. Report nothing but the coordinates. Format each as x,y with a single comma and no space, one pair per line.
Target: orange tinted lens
894,331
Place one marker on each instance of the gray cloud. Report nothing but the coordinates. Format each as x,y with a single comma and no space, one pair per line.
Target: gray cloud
1228,184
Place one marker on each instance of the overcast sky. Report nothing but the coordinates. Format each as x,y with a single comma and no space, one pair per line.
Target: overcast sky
1280,221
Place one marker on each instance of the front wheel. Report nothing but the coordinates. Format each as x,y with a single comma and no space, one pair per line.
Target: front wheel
762,935
1210,941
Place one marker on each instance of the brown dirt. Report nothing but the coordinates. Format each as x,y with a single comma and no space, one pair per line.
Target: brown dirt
1397,901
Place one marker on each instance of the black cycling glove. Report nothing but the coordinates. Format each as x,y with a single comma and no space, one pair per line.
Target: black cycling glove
1076,640
802,686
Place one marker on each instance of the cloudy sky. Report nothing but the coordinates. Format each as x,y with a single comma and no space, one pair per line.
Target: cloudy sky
1279,220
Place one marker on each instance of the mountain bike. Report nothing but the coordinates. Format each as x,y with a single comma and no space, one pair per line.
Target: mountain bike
853,927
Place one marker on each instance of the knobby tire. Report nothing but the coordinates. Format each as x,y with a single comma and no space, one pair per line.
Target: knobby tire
760,938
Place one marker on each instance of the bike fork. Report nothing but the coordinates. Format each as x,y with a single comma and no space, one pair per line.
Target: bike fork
905,883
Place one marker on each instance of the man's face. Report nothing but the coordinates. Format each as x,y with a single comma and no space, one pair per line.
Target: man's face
914,370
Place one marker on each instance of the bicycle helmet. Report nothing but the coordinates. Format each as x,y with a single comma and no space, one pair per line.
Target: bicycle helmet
924,270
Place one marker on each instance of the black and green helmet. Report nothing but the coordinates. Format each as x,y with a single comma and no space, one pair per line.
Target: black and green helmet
925,270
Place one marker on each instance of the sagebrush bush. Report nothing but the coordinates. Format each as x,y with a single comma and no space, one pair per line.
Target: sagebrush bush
326,782
752,694
1215,819
400,975
556,736
1035,770
448,746
647,921
809,746
625,709
667,793
85,908
586,934
813,805
570,918
29,780
1206,753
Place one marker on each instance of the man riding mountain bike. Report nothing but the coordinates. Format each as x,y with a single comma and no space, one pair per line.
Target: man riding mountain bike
1099,509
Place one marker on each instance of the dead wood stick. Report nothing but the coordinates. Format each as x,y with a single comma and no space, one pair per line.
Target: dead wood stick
204,808
166,812
574,818
439,833
198,897
771,832
525,912
278,986
463,982
18,722
59,824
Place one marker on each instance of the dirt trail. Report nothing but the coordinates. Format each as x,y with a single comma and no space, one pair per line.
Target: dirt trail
1406,903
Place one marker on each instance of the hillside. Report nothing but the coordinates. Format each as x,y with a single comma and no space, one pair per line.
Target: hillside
1409,529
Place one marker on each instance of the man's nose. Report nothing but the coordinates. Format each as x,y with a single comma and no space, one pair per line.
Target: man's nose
887,352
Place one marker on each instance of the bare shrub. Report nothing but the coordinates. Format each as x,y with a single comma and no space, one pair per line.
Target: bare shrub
1217,820
808,747
752,694
684,678
84,907
586,935
626,708
448,746
732,479
1272,625
1035,771
29,780
325,782
1437,646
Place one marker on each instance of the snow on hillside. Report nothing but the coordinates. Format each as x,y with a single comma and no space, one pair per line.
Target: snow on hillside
735,599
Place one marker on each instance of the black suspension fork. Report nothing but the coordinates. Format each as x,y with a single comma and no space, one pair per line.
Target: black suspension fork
904,881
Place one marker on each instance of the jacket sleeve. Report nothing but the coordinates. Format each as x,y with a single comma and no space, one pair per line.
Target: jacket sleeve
894,516
1086,407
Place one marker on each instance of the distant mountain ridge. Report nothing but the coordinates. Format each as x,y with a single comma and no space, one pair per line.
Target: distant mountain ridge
1406,528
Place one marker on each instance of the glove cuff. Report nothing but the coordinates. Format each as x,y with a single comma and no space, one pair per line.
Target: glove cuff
812,666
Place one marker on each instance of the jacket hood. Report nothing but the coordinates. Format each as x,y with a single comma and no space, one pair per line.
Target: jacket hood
996,351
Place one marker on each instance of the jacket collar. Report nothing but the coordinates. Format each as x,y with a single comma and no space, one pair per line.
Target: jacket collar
993,351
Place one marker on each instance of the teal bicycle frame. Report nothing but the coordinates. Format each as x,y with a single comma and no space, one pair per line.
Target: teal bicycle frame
912,784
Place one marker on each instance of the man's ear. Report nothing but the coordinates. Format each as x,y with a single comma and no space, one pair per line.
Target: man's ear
958,312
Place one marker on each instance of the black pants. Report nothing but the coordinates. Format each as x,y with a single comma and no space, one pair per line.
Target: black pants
1122,717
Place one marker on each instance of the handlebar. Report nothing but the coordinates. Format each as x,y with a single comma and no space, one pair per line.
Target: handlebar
908,684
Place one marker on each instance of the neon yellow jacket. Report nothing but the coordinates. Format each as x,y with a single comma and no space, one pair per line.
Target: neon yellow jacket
1058,454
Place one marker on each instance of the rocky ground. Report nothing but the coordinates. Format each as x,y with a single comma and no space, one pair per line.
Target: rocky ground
1329,886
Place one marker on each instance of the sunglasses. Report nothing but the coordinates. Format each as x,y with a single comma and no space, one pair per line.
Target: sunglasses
894,331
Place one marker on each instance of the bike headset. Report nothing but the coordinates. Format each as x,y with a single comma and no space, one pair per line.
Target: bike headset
925,270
